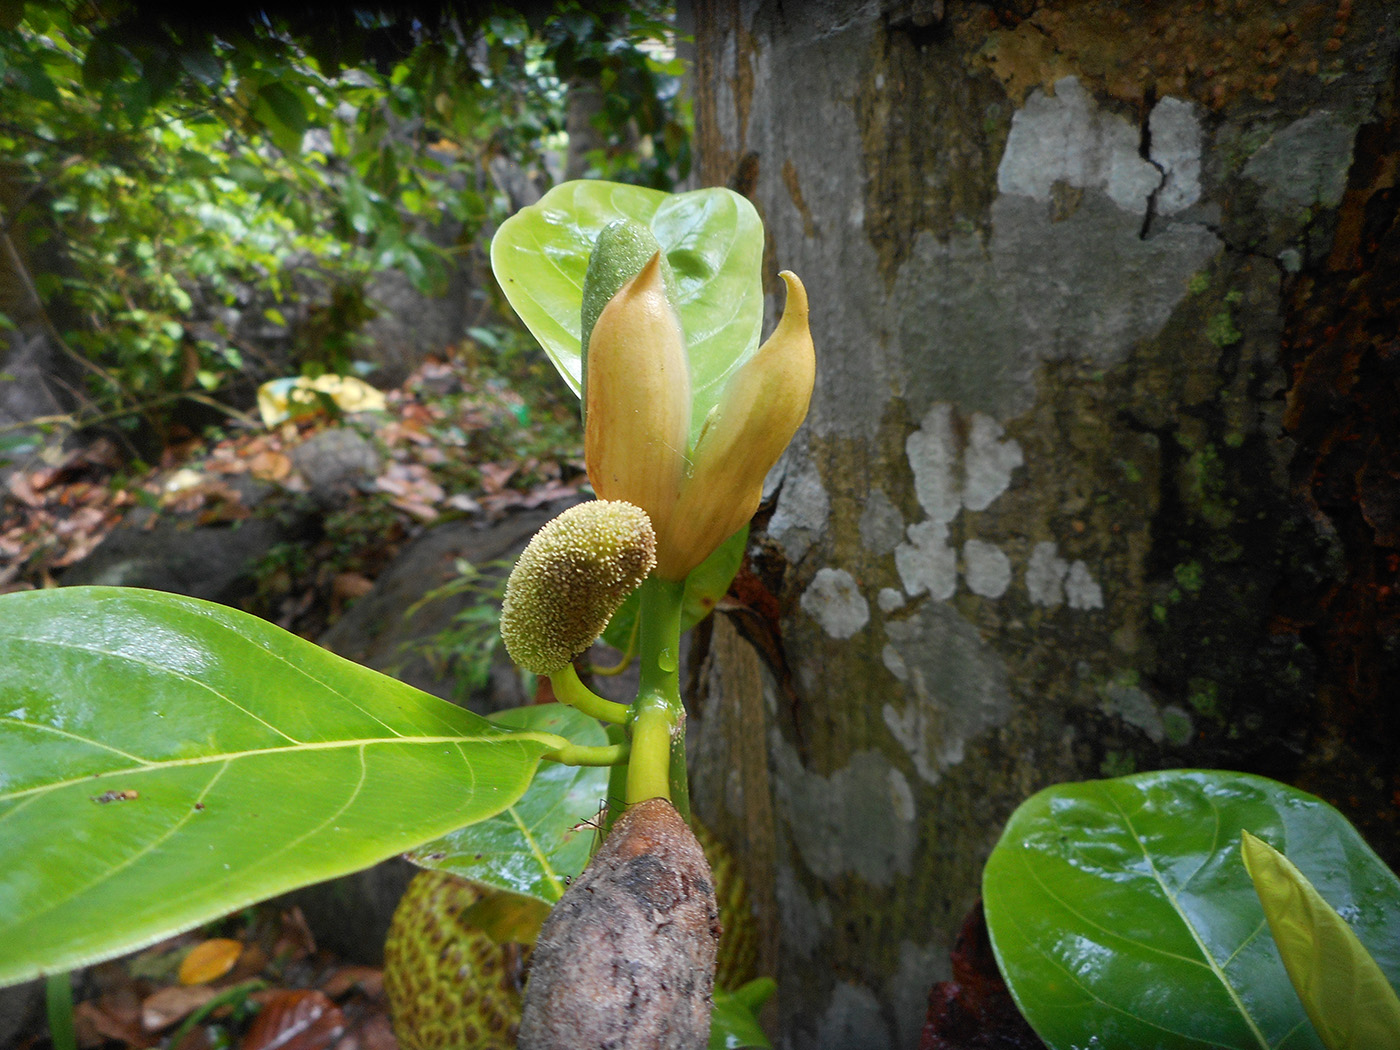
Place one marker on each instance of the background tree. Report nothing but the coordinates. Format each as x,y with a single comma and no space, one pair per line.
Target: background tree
1101,472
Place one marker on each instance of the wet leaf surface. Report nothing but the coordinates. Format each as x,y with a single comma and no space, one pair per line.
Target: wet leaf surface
295,1020
544,839
167,759
1120,909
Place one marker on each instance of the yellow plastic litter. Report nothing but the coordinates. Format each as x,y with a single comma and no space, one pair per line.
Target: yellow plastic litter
280,399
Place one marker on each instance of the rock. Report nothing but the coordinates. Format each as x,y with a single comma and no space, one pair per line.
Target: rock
214,562
335,461
21,1011
31,387
376,632
350,915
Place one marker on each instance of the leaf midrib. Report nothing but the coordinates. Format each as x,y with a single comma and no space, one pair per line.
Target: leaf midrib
1190,926
145,766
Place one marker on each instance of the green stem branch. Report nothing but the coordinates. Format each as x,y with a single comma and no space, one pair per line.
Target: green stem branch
59,995
583,755
570,690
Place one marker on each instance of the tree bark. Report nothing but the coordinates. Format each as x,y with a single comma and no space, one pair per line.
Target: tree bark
1101,472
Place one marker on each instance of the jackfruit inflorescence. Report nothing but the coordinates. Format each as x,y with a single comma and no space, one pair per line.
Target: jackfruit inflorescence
570,580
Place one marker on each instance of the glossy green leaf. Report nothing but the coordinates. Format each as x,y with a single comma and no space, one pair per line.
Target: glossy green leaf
734,1022
713,239
164,761
536,845
707,583
1347,997
1121,915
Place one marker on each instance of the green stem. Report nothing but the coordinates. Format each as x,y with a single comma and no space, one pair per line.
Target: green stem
617,784
570,690
228,995
583,755
658,721
58,992
649,768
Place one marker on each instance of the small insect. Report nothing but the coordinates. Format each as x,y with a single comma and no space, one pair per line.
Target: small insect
598,822
116,796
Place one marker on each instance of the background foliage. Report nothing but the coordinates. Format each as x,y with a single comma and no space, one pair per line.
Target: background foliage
169,175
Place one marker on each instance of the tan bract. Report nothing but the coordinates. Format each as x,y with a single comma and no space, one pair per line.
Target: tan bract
570,580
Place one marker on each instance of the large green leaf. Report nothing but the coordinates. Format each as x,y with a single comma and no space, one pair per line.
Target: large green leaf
713,239
164,761
1122,915
536,845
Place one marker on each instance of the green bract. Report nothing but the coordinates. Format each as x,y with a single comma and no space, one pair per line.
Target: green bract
704,587
164,761
1122,916
713,241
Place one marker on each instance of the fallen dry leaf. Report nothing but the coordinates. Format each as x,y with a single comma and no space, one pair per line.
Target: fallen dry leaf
495,475
270,466
369,979
375,1034
164,1008
95,1025
295,1020
209,960
296,939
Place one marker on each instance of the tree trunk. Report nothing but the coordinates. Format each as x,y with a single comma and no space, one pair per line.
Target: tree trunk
1101,472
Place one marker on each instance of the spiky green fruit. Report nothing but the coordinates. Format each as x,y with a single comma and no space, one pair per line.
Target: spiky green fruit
570,580
618,255
738,940
450,986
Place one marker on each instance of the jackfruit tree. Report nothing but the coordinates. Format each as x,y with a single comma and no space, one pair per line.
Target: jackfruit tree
1100,469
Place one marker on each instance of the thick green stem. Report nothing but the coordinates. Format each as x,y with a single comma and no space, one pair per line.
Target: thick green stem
617,784
649,768
569,690
658,722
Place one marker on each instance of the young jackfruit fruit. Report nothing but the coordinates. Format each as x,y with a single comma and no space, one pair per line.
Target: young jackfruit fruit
618,255
449,984
570,580
738,939
452,986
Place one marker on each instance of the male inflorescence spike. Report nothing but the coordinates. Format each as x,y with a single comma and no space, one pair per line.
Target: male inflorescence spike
571,578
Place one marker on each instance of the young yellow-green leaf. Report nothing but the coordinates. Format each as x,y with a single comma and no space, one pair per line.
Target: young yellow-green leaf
1347,997
713,240
164,761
